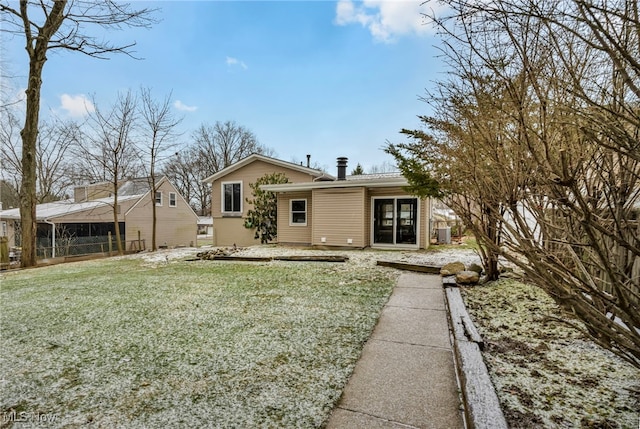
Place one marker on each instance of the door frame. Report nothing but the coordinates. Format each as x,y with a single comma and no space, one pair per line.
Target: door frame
395,199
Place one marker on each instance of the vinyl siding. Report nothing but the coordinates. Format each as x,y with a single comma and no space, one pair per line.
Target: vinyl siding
339,215
229,229
288,234
176,226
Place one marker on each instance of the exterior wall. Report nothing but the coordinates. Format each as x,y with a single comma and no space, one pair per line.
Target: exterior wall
92,192
176,226
294,234
229,229
339,216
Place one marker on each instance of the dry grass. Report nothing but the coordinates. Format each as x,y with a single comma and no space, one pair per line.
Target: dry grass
143,342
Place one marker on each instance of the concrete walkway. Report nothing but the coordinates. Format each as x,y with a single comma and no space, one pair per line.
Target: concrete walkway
405,377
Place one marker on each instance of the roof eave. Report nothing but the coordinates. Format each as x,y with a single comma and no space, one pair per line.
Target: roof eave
233,167
307,186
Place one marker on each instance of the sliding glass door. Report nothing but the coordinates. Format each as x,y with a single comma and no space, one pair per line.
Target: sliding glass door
395,221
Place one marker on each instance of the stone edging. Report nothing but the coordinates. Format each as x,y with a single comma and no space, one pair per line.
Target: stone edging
481,404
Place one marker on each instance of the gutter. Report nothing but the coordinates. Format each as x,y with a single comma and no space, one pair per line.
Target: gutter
53,237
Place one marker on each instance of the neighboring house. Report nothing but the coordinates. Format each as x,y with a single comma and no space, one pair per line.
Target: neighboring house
368,210
205,226
230,189
89,218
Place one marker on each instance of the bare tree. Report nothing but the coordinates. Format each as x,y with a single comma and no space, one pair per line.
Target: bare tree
212,149
159,134
54,176
9,196
55,139
62,24
109,148
186,171
385,167
225,143
10,150
540,109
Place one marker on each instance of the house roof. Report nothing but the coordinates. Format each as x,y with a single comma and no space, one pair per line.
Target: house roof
318,174
137,186
362,180
48,211
132,190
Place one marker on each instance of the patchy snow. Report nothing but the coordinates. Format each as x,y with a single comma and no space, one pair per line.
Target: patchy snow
150,340
436,256
201,342
547,374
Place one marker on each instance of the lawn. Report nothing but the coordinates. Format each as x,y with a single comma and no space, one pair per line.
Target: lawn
127,343
546,374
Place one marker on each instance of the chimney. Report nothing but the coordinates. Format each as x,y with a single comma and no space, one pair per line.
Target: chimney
308,161
342,168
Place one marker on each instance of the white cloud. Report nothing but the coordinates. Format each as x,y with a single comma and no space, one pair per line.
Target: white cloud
385,19
76,105
232,62
181,106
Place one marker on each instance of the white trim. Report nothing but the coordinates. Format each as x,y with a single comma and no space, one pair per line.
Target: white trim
318,174
222,185
306,212
155,198
175,199
393,245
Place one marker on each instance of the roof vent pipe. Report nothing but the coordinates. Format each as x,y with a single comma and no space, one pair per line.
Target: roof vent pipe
308,161
342,168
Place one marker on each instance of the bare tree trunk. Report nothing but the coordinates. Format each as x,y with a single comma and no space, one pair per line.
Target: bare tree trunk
37,57
116,220
154,215
28,188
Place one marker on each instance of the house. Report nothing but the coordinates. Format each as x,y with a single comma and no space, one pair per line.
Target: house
230,189
83,225
369,210
205,226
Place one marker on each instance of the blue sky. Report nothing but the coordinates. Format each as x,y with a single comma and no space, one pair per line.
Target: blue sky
325,78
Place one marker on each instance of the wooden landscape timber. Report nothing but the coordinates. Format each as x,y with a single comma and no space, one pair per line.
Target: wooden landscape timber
420,268
482,406
308,258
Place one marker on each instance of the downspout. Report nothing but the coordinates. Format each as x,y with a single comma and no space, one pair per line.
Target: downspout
53,237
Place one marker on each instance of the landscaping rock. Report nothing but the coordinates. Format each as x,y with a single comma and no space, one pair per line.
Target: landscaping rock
467,277
209,255
475,267
452,269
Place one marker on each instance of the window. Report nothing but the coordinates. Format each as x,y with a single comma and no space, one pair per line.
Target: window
172,199
232,197
298,211
158,198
